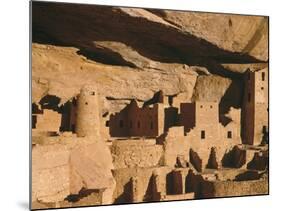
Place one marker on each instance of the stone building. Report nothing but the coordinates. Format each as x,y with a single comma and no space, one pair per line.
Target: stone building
161,152
135,121
194,134
200,114
204,118
153,119
45,121
255,107
200,138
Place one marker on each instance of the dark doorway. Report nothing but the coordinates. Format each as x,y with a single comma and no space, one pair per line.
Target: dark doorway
174,183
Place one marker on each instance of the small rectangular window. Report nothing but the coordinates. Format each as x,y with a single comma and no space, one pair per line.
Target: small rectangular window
262,76
151,125
34,121
203,134
229,134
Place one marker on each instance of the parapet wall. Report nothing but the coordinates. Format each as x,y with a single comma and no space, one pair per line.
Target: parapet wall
175,145
234,188
136,153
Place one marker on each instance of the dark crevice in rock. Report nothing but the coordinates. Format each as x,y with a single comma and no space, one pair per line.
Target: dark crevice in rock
113,98
105,56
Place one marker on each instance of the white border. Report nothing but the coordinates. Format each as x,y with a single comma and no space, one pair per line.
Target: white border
15,102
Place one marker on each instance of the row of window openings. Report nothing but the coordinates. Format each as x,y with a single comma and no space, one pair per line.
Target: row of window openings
203,134
262,76
201,106
121,124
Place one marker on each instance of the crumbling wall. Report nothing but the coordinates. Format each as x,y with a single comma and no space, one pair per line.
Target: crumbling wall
123,192
174,146
148,189
234,188
48,121
136,153
62,166
203,131
212,140
50,173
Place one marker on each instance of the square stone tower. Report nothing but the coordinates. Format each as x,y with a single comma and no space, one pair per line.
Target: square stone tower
255,107
199,114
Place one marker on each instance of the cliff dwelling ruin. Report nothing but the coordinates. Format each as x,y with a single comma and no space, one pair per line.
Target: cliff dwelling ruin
175,124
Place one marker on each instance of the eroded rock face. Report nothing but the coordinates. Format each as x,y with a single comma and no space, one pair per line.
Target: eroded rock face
62,169
163,36
50,173
210,88
92,163
117,85
235,33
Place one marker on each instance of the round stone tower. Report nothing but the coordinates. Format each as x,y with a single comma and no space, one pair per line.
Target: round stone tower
88,120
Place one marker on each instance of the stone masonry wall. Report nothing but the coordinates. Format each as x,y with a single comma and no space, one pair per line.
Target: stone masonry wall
234,188
132,153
